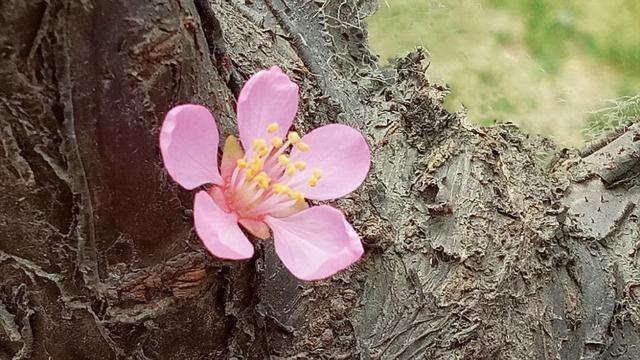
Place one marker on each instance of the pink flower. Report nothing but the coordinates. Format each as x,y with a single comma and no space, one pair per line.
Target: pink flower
265,185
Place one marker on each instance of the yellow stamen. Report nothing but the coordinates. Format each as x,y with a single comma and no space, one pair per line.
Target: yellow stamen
263,180
255,166
259,144
293,137
317,174
279,188
303,147
300,165
276,142
242,163
291,170
273,127
283,160
257,163
296,195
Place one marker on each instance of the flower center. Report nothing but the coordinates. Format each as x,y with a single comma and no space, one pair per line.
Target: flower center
265,180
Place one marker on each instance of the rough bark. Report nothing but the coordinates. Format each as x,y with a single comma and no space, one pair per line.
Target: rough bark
476,247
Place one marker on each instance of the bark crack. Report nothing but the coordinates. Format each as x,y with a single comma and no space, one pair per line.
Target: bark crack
297,41
215,41
87,261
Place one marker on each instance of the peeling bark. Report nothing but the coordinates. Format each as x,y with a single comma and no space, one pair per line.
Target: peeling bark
476,249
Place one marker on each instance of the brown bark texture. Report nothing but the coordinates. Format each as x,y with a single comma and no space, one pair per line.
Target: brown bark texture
479,244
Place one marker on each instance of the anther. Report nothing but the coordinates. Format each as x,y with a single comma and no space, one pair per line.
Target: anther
291,170
317,174
273,127
259,144
293,137
242,163
283,160
276,142
263,180
303,147
279,188
296,195
300,165
256,165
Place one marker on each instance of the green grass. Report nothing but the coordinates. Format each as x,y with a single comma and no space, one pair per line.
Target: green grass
552,26
547,65
549,27
619,113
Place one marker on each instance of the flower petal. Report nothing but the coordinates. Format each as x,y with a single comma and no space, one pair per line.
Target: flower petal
219,230
231,153
315,243
189,146
257,228
268,97
341,153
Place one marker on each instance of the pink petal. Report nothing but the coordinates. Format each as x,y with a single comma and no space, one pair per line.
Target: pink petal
315,243
268,97
341,153
189,146
219,230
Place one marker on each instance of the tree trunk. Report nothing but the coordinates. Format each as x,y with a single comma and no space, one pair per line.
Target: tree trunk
477,247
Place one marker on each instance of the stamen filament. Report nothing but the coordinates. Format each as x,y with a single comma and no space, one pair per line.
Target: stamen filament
234,176
272,204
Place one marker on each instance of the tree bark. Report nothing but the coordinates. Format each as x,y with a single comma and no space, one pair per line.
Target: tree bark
478,245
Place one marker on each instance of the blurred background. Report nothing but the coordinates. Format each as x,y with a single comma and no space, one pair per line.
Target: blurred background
569,69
